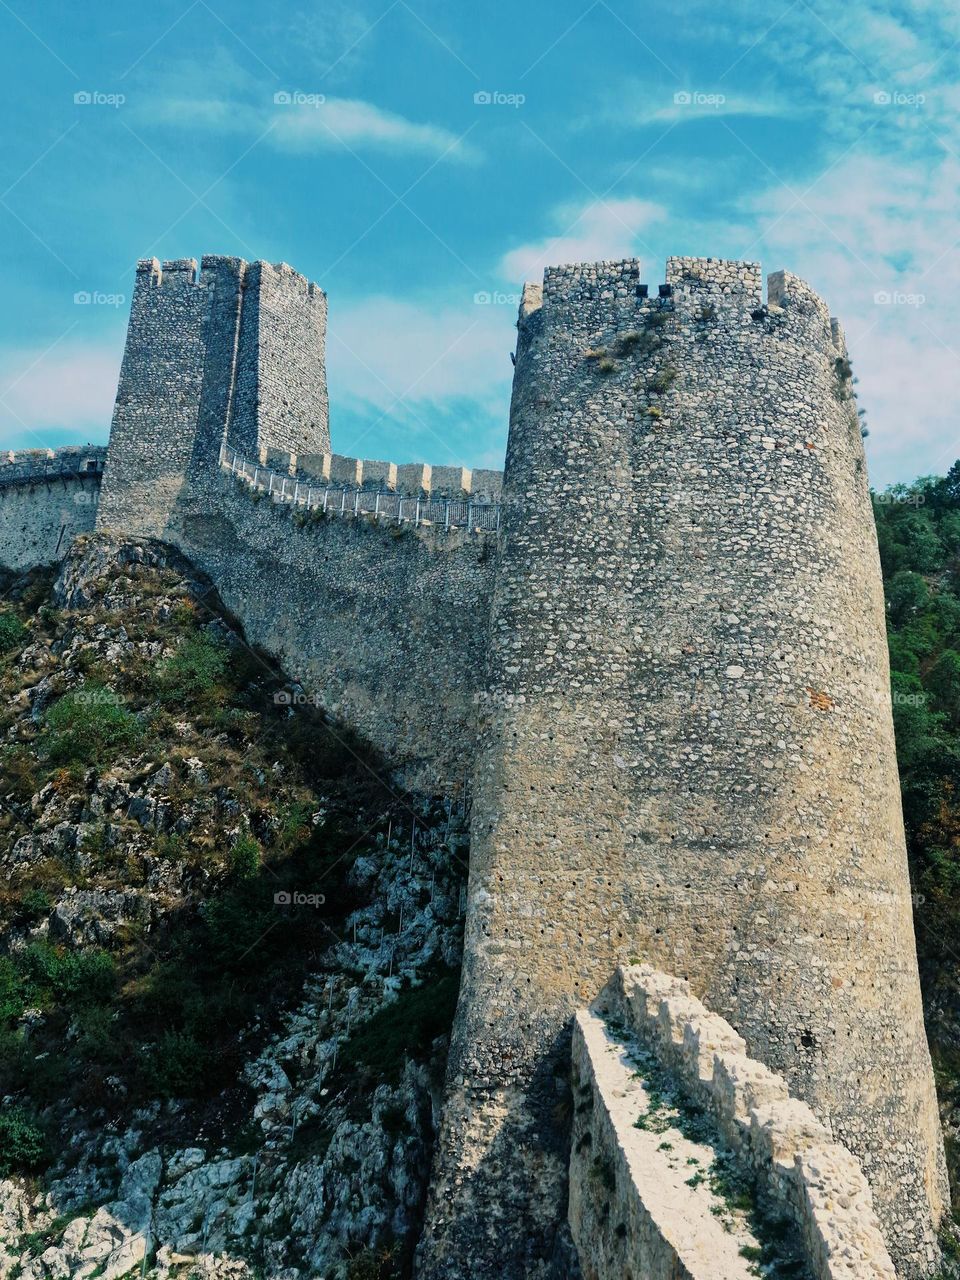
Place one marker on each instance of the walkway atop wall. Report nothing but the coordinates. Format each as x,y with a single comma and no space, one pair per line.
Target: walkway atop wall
351,500
25,466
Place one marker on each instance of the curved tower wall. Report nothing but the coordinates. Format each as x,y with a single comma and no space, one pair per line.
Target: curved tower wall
687,750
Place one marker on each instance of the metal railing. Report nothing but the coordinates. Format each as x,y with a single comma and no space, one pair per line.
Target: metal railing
382,504
72,466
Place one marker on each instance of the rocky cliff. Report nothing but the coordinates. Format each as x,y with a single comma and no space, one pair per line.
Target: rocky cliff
229,948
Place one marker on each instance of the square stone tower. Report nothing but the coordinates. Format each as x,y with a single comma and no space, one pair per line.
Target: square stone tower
233,354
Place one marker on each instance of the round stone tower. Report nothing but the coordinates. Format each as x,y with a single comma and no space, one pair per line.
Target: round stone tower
687,750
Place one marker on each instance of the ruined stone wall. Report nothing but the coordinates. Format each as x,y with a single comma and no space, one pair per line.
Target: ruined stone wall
386,627
687,750
47,498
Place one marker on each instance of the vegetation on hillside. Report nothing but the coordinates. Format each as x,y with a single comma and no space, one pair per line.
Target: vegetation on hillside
237,803
918,528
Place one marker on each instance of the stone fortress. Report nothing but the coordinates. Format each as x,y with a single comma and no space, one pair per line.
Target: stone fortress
653,654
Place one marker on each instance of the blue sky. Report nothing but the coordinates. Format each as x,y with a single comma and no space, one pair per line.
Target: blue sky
811,136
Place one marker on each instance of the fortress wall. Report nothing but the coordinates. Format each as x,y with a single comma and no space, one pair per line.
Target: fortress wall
686,749
368,473
40,518
387,628
281,387
811,1186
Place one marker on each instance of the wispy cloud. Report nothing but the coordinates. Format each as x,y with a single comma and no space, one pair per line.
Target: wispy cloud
877,237
298,118
637,104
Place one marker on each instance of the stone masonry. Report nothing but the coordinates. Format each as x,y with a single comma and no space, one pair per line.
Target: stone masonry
686,748
707,1107
233,354
664,680
47,498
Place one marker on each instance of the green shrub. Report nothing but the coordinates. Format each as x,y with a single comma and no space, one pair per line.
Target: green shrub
13,634
663,379
177,1065
89,725
245,857
404,1029
32,906
13,992
70,977
194,674
23,1144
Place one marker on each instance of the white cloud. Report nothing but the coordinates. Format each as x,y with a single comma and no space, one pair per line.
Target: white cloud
588,233
304,119
887,226
638,104
69,389
386,350
354,123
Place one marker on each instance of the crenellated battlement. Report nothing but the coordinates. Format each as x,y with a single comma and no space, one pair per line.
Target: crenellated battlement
179,272
174,273
647,1036
21,466
418,479
727,290
328,495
